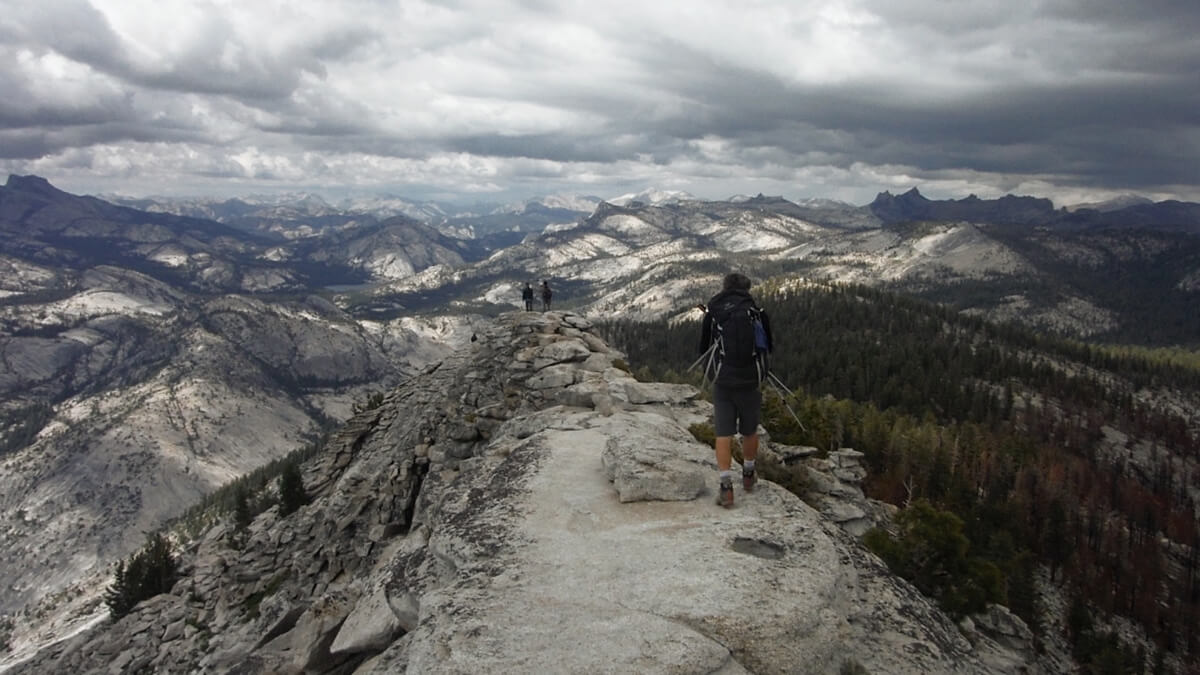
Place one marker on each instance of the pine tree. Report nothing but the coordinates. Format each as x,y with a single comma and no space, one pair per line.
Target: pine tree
291,489
242,516
118,596
148,572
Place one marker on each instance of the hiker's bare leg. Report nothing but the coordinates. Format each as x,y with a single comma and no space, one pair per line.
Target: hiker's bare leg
725,452
749,447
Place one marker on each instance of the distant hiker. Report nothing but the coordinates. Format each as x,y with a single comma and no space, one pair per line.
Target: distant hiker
527,296
546,295
736,338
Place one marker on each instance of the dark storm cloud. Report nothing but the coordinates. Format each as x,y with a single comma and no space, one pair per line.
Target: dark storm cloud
31,144
252,76
1098,132
1099,94
1178,17
214,58
22,112
543,146
73,28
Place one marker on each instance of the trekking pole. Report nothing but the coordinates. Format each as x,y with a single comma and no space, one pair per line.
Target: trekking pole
712,369
707,353
780,388
778,383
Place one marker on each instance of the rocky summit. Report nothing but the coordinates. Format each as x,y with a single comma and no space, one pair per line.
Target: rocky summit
526,506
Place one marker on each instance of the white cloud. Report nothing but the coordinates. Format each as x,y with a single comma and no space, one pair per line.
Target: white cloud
836,98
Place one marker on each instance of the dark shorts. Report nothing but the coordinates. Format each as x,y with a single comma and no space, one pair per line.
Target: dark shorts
736,410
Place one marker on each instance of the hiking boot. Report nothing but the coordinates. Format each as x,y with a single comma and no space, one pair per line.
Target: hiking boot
749,478
725,495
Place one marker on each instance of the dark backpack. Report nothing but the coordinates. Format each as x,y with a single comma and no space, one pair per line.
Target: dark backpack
740,342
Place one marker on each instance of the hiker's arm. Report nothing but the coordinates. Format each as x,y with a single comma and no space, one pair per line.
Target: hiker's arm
705,333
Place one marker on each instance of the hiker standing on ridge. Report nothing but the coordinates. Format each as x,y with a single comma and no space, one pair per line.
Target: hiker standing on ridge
527,296
736,338
546,295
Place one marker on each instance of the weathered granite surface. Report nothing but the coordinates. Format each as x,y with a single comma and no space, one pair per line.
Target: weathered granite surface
526,507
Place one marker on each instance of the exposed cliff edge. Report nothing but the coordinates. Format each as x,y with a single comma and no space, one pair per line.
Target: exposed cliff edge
525,506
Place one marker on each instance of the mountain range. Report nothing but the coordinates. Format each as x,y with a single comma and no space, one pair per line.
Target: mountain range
1134,283
156,349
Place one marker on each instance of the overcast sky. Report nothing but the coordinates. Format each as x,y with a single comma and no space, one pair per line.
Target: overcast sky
1075,100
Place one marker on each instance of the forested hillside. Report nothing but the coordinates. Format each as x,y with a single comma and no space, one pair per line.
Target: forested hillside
1082,458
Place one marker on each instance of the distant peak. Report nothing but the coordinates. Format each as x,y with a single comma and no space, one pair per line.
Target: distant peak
913,196
32,184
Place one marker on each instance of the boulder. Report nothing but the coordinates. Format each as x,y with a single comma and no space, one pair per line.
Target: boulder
563,351
645,466
552,377
370,627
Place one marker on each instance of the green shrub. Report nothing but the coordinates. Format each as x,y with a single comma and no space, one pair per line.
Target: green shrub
794,479
704,433
930,550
